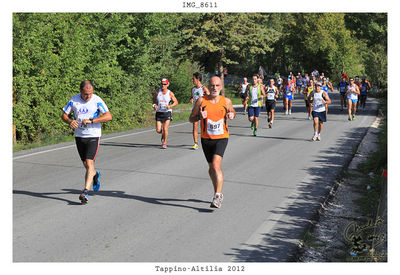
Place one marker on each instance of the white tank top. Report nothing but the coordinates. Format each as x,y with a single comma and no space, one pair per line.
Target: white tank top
319,106
352,95
163,101
197,93
271,92
244,86
254,100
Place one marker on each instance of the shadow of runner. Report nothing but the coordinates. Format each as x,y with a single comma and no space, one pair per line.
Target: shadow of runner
119,194
142,145
48,195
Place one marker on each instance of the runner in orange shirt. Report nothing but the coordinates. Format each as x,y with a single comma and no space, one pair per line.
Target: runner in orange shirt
213,111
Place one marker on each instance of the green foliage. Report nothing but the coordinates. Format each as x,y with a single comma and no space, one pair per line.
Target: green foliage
126,55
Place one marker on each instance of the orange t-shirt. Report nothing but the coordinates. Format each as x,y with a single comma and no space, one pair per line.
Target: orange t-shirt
215,126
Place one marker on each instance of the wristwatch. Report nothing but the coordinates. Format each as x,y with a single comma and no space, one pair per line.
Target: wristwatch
91,120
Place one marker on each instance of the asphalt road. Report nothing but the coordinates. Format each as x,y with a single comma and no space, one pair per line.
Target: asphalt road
153,205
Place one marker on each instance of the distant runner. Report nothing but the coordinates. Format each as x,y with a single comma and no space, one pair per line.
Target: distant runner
256,94
307,92
352,98
87,107
242,89
365,87
299,83
213,111
197,91
343,90
161,103
289,96
272,93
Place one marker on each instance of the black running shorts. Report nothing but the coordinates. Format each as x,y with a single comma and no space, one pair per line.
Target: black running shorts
320,115
270,105
213,147
163,116
87,147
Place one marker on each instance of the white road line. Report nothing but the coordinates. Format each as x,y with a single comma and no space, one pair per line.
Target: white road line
69,146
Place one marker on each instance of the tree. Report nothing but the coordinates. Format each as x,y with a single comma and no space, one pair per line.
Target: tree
226,38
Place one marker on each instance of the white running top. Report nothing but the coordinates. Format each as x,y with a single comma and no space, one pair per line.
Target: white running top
86,110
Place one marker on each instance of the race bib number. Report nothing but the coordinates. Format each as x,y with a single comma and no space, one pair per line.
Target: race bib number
254,101
319,106
270,96
289,93
215,128
162,106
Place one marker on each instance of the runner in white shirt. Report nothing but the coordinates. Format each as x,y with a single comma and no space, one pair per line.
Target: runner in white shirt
320,99
86,108
197,91
242,89
352,98
272,94
161,103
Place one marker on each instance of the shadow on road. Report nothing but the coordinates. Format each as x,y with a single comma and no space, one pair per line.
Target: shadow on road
143,145
118,194
282,241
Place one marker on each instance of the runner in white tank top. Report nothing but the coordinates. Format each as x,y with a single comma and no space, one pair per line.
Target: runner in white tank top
352,98
272,94
198,91
319,99
242,90
161,103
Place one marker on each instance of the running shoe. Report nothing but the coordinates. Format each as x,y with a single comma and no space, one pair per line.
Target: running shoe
195,146
96,181
314,138
354,117
217,201
270,125
349,118
84,197
286,112
164,145
319,137
290,112
255,132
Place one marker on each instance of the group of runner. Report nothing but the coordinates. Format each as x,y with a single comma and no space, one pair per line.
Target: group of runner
353,94
213,110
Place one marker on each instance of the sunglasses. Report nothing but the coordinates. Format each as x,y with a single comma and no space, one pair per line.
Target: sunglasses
164,84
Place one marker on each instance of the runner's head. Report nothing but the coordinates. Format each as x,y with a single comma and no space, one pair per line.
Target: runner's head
318,87
343,79
245,79
196,78
255,79
271,82
351,80
86,89
215,86
363,79
311,83
164,84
